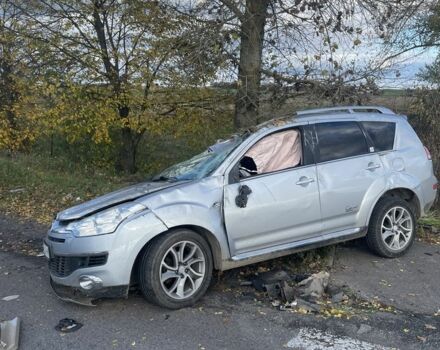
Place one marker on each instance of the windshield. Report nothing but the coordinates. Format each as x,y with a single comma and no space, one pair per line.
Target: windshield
202,164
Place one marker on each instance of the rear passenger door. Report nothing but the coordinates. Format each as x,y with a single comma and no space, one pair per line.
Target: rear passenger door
347,170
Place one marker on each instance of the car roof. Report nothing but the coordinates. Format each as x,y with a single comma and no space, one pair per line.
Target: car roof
365,113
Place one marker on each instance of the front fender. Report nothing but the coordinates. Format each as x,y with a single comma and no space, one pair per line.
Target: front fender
131,237
198,204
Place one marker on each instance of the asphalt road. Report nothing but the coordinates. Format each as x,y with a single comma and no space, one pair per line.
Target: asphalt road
228,317
410,283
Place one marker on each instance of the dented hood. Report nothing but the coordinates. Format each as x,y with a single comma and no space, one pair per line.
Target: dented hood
113,198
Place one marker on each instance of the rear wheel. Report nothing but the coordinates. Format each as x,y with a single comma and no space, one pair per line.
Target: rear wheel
175,270
392,227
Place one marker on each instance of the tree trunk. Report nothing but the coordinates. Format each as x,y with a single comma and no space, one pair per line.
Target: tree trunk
249,70
126,161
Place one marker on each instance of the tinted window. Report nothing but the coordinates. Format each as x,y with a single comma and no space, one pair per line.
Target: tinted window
381,133
340,140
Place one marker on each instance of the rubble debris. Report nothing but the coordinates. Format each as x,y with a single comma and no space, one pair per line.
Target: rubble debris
300,305
272,277
9,334
315,285
287,292
276,303
273,290
300,277
307,306
297,292
283,307
338,297
10,297
68,325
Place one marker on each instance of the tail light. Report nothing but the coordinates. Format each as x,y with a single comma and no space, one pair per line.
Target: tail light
428,154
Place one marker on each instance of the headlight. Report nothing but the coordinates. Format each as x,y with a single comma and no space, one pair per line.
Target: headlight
105,221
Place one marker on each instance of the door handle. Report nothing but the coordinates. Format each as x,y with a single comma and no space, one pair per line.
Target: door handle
303,180
372,166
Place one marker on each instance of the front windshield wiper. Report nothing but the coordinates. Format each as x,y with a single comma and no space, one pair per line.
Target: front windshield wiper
164,178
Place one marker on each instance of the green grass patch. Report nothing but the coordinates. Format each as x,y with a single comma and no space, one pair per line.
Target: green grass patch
432,219
37,187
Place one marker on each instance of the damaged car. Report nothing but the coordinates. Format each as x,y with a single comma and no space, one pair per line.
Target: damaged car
312,179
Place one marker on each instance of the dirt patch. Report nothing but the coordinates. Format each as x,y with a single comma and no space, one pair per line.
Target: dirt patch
21,235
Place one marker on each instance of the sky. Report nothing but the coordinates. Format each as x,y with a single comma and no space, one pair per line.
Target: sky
409,66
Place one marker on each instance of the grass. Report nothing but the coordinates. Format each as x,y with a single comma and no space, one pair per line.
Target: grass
33,187
432,219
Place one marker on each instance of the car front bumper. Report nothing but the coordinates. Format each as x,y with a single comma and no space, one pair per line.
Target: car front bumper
93,259
108,259
80,296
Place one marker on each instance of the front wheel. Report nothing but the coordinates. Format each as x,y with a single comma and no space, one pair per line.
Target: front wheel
392,227
175,270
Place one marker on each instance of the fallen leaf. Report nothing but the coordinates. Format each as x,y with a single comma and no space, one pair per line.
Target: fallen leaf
422,339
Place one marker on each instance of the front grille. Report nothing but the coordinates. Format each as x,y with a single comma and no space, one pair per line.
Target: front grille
54,239
63,266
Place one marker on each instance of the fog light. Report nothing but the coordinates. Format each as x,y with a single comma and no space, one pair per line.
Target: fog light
88,282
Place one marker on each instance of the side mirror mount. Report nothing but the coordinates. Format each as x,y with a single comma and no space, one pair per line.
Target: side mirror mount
234,174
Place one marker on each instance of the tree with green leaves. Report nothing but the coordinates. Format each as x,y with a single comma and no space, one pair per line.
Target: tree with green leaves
15,76
132,58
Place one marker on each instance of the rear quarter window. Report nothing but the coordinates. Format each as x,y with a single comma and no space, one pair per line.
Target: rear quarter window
337,140
381,133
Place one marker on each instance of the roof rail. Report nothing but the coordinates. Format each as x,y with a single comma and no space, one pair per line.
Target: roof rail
345,109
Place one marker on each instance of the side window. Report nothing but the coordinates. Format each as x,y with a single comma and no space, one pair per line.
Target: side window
340,140
382,134
274,152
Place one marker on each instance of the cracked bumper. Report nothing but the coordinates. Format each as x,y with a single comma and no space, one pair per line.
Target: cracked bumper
79,296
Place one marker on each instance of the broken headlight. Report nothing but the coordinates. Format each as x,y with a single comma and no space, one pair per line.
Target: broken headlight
105,221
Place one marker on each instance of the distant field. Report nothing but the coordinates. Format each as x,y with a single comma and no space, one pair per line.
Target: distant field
393,92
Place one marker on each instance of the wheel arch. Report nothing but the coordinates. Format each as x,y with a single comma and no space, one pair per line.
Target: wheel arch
210,238
402,192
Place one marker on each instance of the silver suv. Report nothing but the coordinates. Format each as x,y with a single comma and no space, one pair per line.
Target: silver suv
317,178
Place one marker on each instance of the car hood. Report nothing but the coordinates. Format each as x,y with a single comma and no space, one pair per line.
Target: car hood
113,198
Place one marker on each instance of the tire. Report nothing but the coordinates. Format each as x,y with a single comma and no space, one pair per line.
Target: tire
182,285
388,237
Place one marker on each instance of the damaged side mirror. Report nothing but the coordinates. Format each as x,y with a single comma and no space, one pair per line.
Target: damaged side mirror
243,192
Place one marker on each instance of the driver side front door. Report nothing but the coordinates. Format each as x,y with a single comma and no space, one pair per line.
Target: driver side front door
282,207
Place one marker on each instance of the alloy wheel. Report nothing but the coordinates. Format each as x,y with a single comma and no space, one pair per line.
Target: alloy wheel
397,228
182,270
